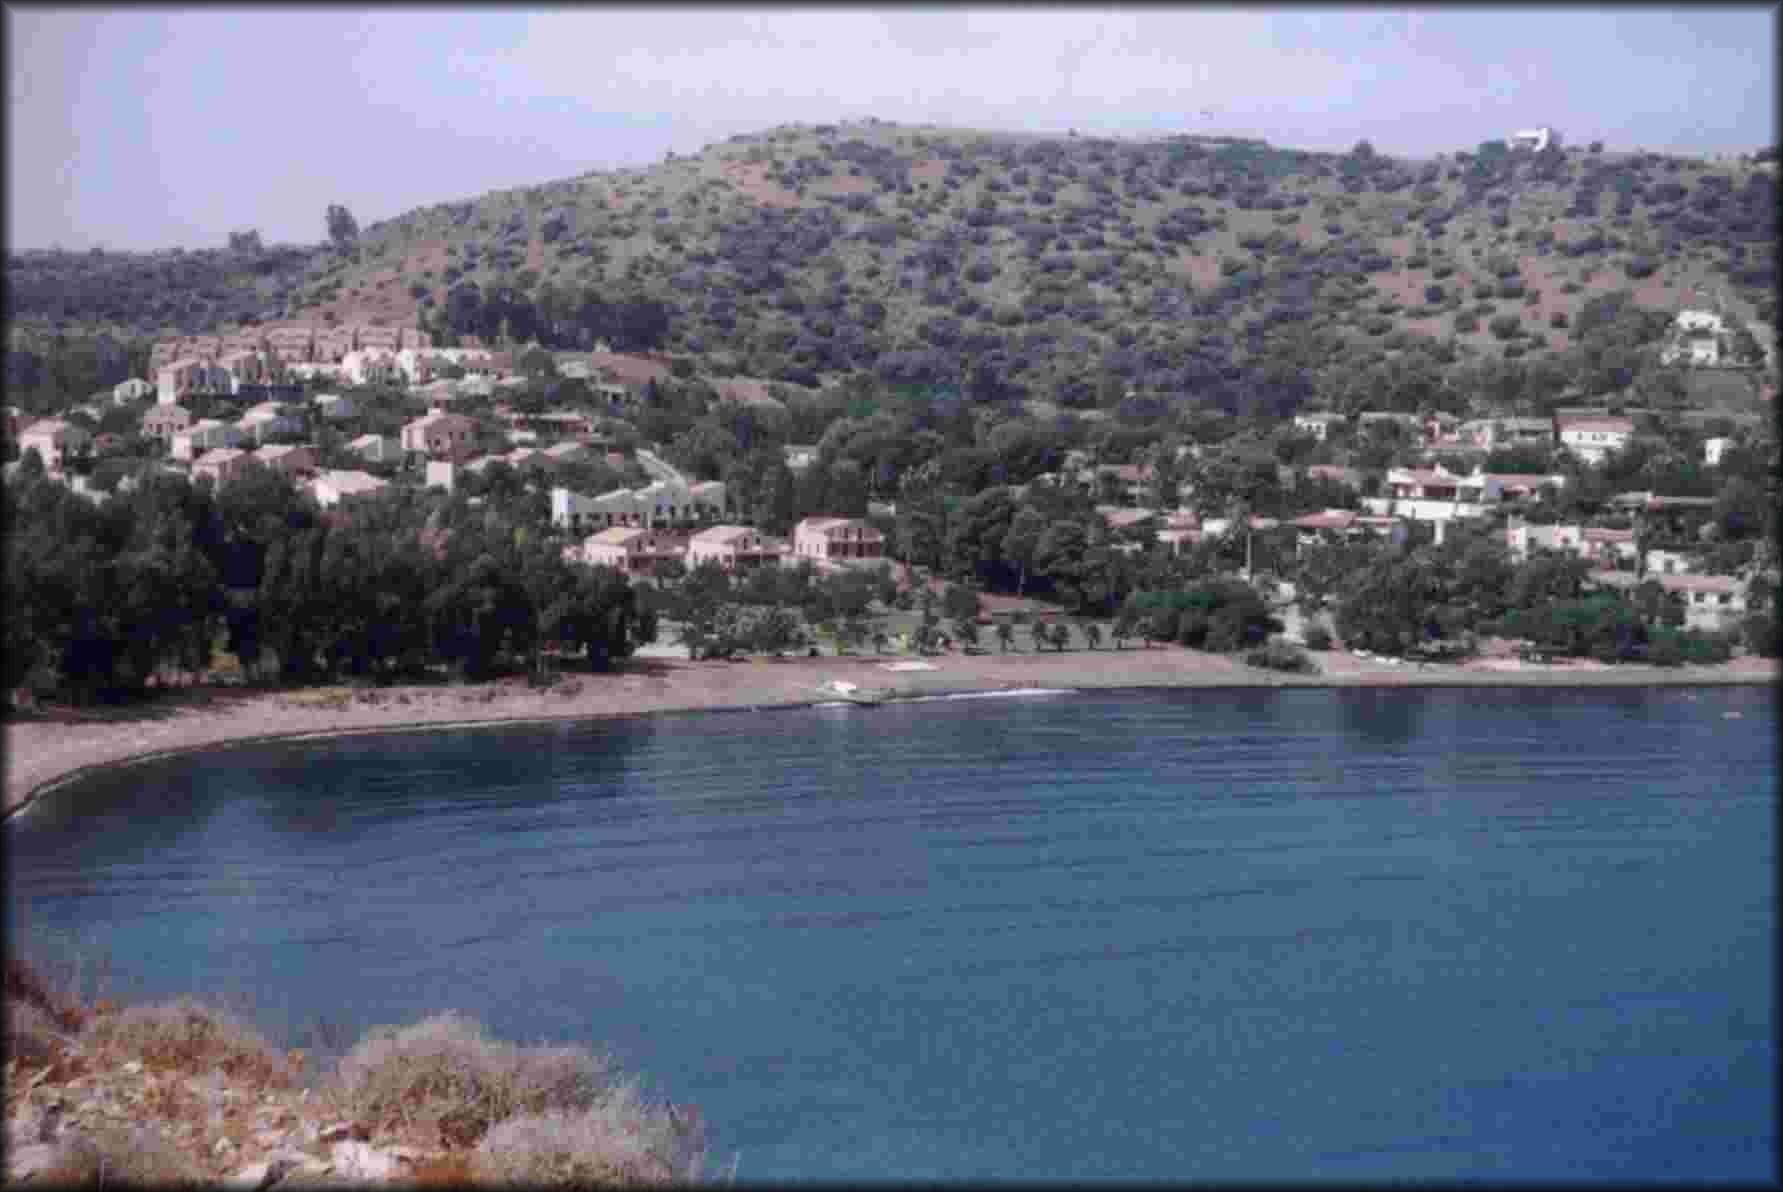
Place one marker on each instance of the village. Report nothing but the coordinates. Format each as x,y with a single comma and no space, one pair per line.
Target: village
268,397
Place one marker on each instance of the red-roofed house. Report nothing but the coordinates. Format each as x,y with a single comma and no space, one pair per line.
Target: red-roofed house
734,548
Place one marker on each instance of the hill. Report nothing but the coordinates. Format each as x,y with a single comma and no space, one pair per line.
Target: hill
1071,269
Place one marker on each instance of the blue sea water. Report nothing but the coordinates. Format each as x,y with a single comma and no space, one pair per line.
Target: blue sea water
1293,934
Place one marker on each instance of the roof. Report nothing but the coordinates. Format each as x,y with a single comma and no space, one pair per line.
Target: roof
218,455
279,450
368,440
717,535
1329,519
346,482
1606,534
1617,425
615,536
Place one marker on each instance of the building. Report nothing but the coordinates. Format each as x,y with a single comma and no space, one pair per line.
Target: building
633,550
204,435
1318,424
1533,140
1659,561
1593,439
734,548
1712,603
1523,539
1341,525
1714,449
221,464
800,457
190,375
1348,477
1493,434
657,504
442,436
288,459
247,368
334,486
370,366
334,407
829,539
1610,548
165,421
55,442
378,449
267,419
135,389
292,344
419,366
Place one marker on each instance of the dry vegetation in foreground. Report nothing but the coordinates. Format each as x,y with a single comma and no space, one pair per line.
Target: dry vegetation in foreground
183,1094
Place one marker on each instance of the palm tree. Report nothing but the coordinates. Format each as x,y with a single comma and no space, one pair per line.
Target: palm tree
1092,633
1061,636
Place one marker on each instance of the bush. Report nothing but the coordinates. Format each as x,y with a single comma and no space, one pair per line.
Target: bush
120,1156
1318,638
444,1074
617,1140
1282,656
188,1037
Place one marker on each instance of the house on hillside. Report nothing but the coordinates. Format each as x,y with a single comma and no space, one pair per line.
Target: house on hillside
633,550
1715,448
163,422
378,449
657,504
799,457
828,539
1318,423
370,366
221,464
1592,440
1341,525
135,389
1493,434
288,459
55,442
204,435
442,436
333,487
734,548
1711,602
1533,140
188,376
267,419
334,407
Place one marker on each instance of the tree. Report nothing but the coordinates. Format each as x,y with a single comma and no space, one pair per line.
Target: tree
1005,635
1092,634
343,229
1021,542
246,240
1061,636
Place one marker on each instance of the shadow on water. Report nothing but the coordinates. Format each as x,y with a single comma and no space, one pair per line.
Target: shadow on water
1382,717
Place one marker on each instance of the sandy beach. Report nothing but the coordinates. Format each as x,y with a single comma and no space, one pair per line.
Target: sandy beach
57,745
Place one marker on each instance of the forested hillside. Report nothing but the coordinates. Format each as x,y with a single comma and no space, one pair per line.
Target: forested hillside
1067,270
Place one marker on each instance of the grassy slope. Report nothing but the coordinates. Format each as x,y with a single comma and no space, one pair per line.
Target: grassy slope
673,230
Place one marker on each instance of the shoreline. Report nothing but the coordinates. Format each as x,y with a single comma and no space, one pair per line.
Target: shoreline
48,753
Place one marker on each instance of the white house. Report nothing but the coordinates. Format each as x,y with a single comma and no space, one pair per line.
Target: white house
1711,602
418,366
332,487
334,407
1714,449
1318,424
369,366
656,503
135,389
267,419
1593,439
54,440
202,436
1533,139
379,449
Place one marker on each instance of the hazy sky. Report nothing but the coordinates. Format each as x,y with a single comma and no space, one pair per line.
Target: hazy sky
142,128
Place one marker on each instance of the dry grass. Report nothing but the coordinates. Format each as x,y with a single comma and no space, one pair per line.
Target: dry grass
186,1037
33,1038
120,1157
444,1076
619,1140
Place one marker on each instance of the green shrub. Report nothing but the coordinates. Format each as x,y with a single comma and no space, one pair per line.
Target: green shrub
1281,656
619,1140
443,1073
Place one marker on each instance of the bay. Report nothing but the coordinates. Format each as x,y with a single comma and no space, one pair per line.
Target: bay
1259,934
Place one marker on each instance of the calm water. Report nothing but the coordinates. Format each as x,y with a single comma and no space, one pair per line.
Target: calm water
1266,934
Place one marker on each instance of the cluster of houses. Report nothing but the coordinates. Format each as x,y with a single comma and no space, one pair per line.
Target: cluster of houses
641,550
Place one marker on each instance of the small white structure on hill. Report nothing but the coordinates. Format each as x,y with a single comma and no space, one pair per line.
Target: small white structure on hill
1533,139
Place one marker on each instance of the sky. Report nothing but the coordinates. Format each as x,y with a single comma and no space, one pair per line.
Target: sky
143,128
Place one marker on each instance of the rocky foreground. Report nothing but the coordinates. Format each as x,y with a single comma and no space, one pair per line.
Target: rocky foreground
181,1094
